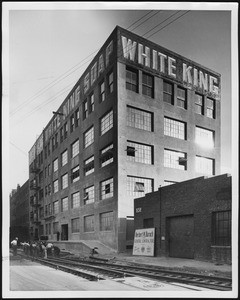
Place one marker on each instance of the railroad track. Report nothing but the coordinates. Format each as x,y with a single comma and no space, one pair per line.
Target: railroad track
95,270
156,273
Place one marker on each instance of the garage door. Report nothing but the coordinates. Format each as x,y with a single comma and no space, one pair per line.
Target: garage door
181,236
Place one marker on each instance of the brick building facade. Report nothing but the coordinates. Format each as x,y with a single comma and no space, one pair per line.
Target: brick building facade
140,116
19,212
192,219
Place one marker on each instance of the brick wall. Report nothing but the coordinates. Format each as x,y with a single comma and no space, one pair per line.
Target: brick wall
198,197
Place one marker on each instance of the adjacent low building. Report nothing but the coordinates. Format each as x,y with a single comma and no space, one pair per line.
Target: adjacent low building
192,219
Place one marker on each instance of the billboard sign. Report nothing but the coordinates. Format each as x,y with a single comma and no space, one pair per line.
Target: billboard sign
144,241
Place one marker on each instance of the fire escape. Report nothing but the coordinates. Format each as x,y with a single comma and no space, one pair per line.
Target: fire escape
36,200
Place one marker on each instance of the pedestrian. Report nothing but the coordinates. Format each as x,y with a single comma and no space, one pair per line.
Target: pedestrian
34,252
49,249
58,235
14,246
27,248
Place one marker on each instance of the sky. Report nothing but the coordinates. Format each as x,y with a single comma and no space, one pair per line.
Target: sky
49,45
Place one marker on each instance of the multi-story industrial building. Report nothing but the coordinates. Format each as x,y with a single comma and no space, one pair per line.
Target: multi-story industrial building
139,117
19,212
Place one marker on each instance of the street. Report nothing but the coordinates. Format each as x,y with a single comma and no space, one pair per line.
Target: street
26,275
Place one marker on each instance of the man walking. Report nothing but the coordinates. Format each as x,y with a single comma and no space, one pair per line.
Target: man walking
14,246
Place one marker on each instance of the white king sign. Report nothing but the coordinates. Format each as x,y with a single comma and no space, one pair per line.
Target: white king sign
171,65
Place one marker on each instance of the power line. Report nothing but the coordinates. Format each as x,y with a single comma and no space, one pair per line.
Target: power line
97,50
18,148
161,22
57,80
146,20
168,24
139,20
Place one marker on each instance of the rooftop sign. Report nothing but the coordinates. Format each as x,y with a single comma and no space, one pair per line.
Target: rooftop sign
173,66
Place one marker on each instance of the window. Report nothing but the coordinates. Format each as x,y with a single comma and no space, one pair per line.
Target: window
89,195
61,135
204,137
204,165
50,208
89,223
106,122
174,128
106,155
89,137
210,108
55,165
199,109
72,119
148,85
140,153
138,186
168,95
221,228
110,82
49,170
55,186
75,200
75,174
75,225
175,159
45,151
75,148
55,227
64,158
131,79
49,148
91,106
65,130
56,140
77,116
48,228
53,143
168,182
85,109
64,180
89,165
139,119
64,204
106,189
49,189
56,207
148,223
46,190
102,92
106,221
182,97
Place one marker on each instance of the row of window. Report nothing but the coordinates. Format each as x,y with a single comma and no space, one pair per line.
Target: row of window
106,191
105,220
88,108
137,153
132,83
89,102
106,123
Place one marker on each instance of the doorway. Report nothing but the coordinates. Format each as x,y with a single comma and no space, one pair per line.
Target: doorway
64,234
181,236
